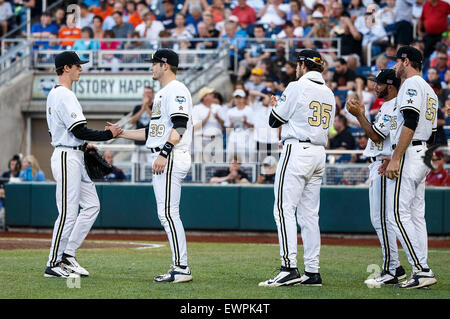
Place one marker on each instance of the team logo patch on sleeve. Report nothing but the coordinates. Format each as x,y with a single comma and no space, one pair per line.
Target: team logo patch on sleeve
283,98
73,115
411,92
180,99
386,118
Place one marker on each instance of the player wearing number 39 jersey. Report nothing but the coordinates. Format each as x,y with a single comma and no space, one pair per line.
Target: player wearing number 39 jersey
305,111
169,139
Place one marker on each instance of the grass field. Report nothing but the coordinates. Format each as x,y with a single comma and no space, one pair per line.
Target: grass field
220,270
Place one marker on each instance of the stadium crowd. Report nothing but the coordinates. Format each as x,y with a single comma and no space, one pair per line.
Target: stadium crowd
369,32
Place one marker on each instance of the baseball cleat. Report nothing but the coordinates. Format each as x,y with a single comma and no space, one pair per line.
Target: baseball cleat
58,272
385,278
175,274
286,277
70,264
311,279
419,279
400,273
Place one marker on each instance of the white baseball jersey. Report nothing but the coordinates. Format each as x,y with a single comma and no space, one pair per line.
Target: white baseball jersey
308,95
172,100
63,114
417,95
385,121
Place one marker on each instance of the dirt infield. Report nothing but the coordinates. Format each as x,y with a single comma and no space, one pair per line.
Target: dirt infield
17,240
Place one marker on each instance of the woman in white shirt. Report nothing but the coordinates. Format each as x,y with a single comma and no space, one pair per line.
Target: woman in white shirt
240,123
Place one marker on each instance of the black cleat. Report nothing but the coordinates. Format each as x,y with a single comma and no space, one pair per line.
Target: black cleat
286,277
311,279
400,273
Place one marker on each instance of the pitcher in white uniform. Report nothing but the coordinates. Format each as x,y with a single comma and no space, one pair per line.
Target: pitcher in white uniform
68,132
378,147
169,137
306,112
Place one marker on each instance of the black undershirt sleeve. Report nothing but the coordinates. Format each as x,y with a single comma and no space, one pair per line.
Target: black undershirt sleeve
83,133
411,119
274,122
179,121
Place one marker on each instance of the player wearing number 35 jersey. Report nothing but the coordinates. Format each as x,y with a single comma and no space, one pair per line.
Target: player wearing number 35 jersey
306,112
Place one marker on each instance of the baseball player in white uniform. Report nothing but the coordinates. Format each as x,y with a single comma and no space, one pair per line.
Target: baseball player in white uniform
406,171
306,112
74,188
378,147
169,139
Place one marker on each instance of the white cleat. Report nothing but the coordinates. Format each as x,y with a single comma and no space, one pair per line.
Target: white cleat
419,279
175,274
58,272
384,278
70,264
286,277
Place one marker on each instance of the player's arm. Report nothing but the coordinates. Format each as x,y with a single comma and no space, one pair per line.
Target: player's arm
135,135
357,109
82,132
284,107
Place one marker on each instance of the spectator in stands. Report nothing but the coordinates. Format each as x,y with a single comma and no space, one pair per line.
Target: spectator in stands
92,4
138,44
141,116
208,127
366,93
121,29
256,81
273,12
190,7
43,30
299,32
351,40
255,52
232,175
439,176
86,42
110,21
343,78
240,121
232,36
217,10
245,13
109,45
168,17
356,9
296,9
86,17
117,174
133,13
372,32
20,10
343,140
59,18
204,33
441,65
432,74
181,32
336,12
227,16
361,141
14,167
150,28
104,11
5,14
52,44
387,16
209,21
268,170
98,31
31,172
69,32
440,138
289,73
403,18
434,23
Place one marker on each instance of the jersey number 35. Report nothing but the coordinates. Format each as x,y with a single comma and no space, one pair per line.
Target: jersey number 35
321,114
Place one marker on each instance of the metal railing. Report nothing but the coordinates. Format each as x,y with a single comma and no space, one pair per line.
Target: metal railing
14,62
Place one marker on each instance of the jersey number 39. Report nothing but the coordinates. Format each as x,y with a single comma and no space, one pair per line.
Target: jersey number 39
156,130
321,114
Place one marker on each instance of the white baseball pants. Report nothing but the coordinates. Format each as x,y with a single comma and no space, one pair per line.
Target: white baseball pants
297,188
378,198
407,207
167,188
74,188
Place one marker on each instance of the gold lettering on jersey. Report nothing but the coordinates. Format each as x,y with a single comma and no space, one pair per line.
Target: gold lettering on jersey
393,123
430,114
156,130
157,109
49,110
321,114
379,145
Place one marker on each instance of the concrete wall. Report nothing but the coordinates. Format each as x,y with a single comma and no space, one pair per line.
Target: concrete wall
13,96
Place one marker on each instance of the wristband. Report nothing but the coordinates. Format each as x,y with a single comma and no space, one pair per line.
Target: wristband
167,148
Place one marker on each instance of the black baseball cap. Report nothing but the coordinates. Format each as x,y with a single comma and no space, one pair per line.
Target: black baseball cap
409,52
310,55
387,76
67,58
164,56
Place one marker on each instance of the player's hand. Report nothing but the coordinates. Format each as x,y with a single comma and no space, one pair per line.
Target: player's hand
354,107
115,129
91,146
393,169
384,163
273,100
159,165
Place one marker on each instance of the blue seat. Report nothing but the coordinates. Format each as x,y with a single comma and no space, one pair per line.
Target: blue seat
364,71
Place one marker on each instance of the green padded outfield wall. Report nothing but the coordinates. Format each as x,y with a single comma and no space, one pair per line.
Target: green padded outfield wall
343,209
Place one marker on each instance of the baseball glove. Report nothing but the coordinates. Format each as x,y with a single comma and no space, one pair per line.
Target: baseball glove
429,155
96,166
